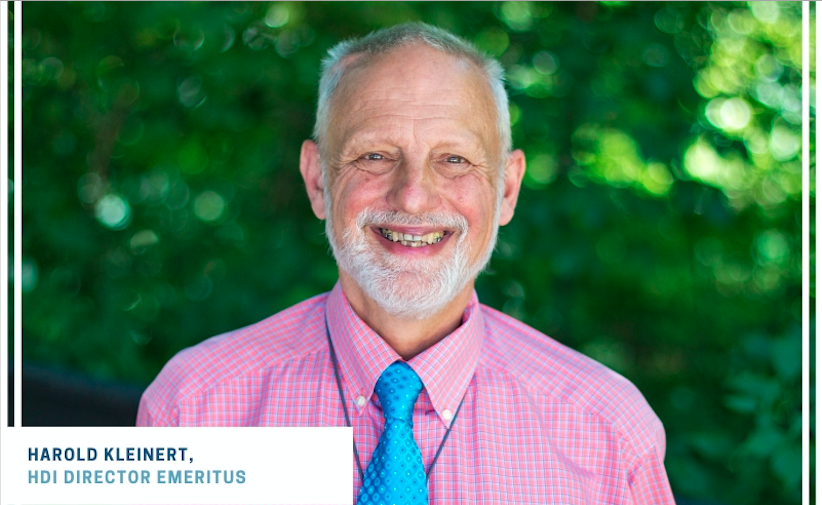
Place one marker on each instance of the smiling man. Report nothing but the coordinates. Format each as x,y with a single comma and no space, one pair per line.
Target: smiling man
412,170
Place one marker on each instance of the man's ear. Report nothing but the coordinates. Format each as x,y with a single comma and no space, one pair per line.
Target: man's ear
313,177
514,170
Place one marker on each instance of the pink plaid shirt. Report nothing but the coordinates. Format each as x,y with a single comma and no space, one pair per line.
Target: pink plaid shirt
540,422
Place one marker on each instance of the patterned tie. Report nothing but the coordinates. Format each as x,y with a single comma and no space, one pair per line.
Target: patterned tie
395,475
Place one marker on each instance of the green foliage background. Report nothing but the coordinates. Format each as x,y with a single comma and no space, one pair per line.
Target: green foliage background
658,229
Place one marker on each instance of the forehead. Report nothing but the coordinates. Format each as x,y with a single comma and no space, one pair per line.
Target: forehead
413,83
412,64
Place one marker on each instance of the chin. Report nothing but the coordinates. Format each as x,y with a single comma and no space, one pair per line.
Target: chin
410,296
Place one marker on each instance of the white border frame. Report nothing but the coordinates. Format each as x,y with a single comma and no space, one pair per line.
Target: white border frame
806,265
18,213
4,215
17,229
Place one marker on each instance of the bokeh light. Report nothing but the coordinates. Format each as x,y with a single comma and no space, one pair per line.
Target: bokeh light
113,212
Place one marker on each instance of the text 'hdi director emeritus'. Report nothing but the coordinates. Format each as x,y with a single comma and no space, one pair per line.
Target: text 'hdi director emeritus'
413,171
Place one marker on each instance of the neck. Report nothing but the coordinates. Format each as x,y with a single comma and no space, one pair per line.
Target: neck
408,337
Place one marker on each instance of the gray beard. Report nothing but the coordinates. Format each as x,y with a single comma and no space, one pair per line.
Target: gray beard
406,289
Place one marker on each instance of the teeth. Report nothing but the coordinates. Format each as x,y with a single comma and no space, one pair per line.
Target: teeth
409,240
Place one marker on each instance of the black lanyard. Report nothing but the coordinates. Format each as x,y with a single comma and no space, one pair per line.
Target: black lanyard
348,419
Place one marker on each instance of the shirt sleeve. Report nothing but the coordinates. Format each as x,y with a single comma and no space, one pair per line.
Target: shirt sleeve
159,405
649,482
148,414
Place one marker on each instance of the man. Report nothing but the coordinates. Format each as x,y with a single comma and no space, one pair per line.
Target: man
413,172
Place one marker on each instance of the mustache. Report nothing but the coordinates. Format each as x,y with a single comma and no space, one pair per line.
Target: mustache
429,219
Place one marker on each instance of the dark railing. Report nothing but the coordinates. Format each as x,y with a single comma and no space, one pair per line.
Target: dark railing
54,397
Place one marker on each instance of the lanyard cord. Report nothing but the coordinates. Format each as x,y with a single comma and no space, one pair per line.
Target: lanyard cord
342,398
348,419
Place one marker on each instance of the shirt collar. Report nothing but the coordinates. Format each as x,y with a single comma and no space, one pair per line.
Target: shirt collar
446,368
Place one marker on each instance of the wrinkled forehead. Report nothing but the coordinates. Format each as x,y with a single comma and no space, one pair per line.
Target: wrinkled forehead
406,56
412,75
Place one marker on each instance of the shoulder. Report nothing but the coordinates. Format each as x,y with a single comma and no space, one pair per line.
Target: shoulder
558,374
287,336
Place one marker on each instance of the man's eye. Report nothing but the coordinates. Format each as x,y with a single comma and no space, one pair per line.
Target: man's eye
455,159
374,163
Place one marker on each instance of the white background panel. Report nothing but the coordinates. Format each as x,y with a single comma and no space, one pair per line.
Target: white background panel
279,465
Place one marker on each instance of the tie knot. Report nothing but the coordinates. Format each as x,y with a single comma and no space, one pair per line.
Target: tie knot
398,388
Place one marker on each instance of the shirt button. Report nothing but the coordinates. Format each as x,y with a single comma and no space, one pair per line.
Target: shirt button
447,415
360,401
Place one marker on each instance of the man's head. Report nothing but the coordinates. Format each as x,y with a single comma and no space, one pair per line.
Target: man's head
412,168
359,52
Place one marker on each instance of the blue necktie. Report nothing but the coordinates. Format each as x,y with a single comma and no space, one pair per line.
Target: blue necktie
395,475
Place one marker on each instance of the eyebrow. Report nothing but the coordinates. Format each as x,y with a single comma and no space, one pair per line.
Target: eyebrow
384,136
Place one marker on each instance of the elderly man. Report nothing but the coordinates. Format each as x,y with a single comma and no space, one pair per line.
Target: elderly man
450,401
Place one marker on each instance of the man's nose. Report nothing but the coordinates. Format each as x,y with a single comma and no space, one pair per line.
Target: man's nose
414,189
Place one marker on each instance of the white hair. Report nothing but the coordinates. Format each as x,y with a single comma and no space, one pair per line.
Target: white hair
388,39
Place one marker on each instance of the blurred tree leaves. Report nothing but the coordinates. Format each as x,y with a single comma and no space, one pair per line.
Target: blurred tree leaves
658,228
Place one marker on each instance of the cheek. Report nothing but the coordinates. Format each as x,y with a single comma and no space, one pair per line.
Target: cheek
354,195
475,202
473,196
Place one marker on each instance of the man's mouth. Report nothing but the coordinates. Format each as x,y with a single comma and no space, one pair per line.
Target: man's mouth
409,240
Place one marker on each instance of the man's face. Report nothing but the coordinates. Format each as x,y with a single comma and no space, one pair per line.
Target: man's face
413,193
